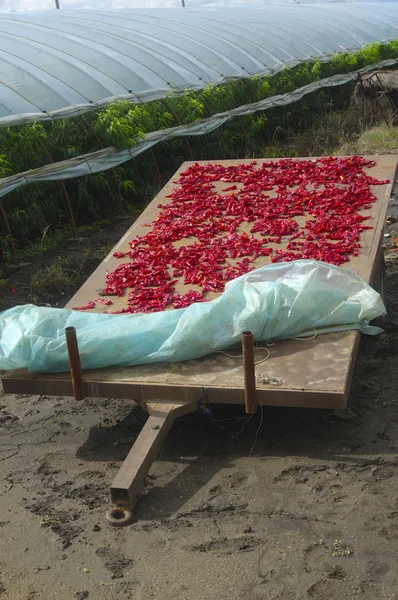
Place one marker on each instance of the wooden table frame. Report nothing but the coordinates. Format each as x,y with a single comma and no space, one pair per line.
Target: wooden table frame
169,391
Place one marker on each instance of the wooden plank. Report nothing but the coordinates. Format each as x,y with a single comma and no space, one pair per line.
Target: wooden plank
314,373
130,479
28,383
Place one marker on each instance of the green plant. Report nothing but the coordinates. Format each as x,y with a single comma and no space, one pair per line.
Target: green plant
390,402
339,550
51,278
345,415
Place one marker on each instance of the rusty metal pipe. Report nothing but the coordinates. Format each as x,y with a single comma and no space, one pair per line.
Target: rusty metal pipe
249,372
74,362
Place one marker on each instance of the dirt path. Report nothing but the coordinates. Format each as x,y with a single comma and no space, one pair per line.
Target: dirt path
312,513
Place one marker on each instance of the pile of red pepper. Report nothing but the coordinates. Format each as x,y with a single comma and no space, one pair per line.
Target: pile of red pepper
330,192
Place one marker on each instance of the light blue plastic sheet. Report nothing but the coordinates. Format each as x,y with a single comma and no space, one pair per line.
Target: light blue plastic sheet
278,301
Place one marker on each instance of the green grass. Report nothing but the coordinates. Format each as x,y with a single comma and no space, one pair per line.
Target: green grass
377,140
57,278
51,279
390,402
327,134
55,239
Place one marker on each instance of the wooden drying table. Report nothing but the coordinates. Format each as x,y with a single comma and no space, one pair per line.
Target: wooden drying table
315,374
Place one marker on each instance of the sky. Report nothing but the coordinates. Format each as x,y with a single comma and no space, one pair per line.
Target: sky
18,5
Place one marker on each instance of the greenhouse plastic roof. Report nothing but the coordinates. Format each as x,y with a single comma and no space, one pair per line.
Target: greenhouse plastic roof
62,63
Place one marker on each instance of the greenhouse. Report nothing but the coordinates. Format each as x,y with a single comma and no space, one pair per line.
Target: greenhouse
59,64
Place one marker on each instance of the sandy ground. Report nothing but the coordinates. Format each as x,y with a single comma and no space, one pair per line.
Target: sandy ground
311,511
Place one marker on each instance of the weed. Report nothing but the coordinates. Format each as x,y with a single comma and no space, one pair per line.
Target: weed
380,139
34,299
339,550
369,383
345,415
42,241
52,240
127,440
55,277
390,402
50,279
374,363
104,250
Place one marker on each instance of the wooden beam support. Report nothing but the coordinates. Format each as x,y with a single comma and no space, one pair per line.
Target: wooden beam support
129,482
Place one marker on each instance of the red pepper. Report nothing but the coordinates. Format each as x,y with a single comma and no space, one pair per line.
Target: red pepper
88,306
102,301
330,192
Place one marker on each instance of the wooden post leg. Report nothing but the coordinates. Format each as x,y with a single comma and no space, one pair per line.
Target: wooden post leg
129,482
379,284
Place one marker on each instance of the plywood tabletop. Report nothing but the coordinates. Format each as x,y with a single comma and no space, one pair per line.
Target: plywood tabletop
363,264
314,373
